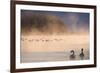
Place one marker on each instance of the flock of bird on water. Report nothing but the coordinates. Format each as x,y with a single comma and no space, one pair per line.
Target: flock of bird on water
43,40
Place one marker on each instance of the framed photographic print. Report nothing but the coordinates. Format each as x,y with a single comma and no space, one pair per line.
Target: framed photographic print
51,36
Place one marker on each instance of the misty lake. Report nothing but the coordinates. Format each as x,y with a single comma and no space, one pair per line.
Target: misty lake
53,48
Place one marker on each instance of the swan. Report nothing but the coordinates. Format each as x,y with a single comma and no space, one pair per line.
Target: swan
72,54
82,53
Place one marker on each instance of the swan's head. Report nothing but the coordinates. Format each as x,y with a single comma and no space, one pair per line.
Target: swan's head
82,50
72,52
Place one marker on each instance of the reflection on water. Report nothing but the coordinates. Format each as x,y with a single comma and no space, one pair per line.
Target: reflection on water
52,56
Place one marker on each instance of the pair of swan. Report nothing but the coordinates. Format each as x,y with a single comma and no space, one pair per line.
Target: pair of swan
73,54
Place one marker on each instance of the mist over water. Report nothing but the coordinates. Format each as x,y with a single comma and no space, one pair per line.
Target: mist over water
42,24
53,48
50,36
52,22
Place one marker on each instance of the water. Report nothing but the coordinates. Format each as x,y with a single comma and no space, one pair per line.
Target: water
48,48
51,56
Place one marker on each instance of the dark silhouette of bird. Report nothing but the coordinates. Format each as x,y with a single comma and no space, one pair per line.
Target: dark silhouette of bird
82,53
72,56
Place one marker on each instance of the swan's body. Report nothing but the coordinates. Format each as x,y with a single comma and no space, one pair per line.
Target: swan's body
72,56
82,53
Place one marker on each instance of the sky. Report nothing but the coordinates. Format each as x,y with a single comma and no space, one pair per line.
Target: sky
72,21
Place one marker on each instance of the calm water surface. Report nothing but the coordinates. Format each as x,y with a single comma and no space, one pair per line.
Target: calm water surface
51,56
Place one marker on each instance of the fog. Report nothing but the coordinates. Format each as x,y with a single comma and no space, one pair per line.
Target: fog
56,33
42,24
54,43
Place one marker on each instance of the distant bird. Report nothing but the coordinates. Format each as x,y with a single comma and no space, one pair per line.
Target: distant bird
55,39
25,39
29,40
32,39
72,56
37,40
46,40
42,40
22,39
81,54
